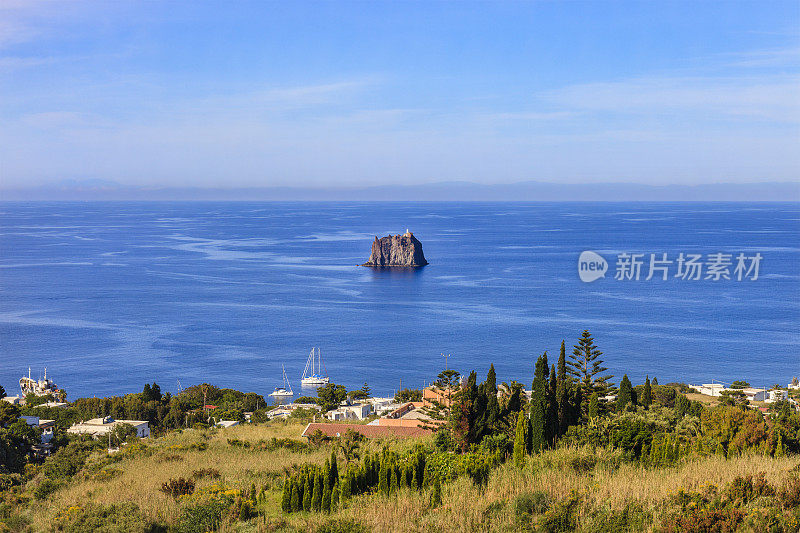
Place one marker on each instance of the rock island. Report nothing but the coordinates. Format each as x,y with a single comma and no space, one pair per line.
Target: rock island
396,251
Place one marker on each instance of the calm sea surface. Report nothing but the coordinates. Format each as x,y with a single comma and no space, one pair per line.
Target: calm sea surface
109,296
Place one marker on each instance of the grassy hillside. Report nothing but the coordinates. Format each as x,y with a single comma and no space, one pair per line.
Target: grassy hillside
563,489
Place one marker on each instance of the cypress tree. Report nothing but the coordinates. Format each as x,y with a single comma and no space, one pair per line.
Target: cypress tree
286,499
563,381
519,440
681,405
326,499
297,504
655,381
491,416
326,475
552,409
647,394
346,490
538,421
383,482
594,406
625,395
333,477
779,450
393,481
335,494
436,493
316,500
308,492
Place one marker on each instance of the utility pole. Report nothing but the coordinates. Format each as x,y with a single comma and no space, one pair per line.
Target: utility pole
446,357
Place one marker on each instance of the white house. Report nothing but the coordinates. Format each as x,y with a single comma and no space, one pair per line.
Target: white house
755,395
46,426
381,406
710,389
100,427
777,395
14,400
358,411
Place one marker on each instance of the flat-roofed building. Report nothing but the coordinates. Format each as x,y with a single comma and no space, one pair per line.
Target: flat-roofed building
100,427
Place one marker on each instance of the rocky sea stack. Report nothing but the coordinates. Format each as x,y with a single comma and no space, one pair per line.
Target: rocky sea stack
396,251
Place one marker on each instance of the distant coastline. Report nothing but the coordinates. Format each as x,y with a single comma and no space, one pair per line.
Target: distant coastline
461,191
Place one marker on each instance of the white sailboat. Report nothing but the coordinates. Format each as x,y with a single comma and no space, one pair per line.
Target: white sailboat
281,392
312,375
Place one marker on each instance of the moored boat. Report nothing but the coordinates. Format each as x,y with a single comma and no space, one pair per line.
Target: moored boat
313,374
285,390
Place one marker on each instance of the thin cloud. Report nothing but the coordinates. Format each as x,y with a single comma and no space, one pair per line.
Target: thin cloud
768,58
772,98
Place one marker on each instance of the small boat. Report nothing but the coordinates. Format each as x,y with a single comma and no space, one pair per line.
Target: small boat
312,375
281,392
40,387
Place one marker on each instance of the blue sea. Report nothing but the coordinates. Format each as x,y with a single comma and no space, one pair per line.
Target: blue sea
109,296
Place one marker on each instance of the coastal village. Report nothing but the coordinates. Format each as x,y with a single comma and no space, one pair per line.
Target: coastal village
371,417
212,459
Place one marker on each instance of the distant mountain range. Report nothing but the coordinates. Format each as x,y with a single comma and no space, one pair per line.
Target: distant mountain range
533,191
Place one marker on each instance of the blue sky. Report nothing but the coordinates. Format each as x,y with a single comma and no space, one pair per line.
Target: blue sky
230,94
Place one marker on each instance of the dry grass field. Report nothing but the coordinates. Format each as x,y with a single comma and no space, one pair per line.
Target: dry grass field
597,478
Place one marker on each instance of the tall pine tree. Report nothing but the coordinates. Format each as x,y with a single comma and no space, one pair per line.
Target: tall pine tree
586,367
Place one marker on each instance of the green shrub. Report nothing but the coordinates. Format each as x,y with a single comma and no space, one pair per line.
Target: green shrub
744,489
528,504
122,518
46,488
341,525
699,520
630,519
562,516
177,487
789,493
212,473
201,517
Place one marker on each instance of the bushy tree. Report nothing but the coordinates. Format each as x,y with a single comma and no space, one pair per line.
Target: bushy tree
625,394
331,395
408,395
